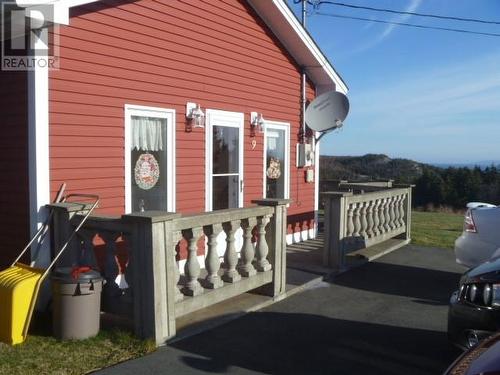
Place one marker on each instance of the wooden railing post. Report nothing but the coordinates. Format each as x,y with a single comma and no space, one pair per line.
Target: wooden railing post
335,227
154,278
62,229
276,240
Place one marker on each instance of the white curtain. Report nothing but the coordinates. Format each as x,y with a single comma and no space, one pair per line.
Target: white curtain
147,133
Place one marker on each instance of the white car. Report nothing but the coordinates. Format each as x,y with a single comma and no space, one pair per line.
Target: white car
480,239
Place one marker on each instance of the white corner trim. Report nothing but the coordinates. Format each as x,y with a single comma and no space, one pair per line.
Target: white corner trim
280,126
38,151
169,114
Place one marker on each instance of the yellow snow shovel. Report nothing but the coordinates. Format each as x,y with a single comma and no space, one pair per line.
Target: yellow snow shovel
20,283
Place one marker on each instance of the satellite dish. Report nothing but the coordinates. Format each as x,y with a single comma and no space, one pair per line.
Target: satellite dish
327,112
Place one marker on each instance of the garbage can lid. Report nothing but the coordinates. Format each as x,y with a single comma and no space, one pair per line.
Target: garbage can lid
70,275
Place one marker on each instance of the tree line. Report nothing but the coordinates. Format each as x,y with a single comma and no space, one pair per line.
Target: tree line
434,186
454,187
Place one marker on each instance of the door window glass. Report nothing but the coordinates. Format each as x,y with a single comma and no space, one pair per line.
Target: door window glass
149,163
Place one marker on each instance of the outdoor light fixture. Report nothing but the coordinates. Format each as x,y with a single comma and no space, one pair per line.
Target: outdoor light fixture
195,114
338,123
257,121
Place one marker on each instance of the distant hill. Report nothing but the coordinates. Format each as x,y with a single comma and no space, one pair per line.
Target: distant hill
370,167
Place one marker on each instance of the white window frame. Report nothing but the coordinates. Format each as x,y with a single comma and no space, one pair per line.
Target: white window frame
166,113
278,126
229,119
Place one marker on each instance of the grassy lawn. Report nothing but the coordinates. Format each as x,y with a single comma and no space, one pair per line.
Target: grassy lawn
436,229
43,354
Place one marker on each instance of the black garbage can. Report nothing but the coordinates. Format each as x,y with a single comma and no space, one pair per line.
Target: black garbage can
76,302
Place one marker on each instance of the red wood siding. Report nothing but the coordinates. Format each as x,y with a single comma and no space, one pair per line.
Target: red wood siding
14,190
163,54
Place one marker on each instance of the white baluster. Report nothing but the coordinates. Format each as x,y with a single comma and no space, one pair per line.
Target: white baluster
376,220
247,251
381,216
387,215
392,213
176,237
396,211
231,275
402,212
357,222
192,267
212,262
262,249
371,224
350,221
364,221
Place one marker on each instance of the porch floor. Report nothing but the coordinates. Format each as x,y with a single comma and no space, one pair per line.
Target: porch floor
304,270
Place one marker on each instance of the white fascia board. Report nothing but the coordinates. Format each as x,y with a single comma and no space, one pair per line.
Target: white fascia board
281,20
43,12
59,9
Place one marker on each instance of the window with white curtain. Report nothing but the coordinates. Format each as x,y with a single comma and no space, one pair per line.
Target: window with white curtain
150,159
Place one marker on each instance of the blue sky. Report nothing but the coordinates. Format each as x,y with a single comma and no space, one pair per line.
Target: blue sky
427,95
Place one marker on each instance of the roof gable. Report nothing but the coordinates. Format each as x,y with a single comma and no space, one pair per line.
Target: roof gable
277,16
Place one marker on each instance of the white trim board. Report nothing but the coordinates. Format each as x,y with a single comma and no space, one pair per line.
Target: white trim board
279,126
222,118
166,113
38,150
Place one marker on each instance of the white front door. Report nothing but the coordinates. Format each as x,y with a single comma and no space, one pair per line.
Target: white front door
149,159
224,159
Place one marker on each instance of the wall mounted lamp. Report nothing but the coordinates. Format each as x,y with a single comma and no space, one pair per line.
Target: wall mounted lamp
195,115
257,121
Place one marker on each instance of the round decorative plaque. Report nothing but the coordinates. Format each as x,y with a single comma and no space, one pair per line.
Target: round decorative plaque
146,171
274,170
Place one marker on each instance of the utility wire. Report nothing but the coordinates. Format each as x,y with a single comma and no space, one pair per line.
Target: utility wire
408,24
316,4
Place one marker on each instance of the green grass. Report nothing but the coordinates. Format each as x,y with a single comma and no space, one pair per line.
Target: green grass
43,354
436,229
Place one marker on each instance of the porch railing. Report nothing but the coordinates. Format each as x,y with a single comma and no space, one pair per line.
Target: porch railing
243,249
363,216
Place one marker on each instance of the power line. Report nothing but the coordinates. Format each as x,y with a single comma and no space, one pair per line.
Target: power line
408,24
316,4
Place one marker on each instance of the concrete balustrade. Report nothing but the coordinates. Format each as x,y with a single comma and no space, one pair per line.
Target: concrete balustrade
356,221
154,291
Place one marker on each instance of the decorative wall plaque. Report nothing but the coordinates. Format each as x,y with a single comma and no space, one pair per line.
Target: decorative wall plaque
146,171
274,170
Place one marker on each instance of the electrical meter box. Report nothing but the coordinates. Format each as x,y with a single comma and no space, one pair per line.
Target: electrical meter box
305,155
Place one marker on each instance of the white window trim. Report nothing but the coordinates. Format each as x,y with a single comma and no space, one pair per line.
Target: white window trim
38,149
169,114
279,126
222,118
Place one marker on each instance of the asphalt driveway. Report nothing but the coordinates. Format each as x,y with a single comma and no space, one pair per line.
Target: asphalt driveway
386,317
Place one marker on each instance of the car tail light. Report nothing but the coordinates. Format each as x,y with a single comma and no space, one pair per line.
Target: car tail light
469,225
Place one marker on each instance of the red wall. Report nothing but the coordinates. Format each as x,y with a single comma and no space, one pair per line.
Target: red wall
163,54
14,190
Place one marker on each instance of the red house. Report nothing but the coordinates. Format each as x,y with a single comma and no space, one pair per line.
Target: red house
178,105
